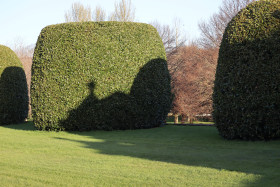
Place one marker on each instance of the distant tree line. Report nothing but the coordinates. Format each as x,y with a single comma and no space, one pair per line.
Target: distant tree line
124,11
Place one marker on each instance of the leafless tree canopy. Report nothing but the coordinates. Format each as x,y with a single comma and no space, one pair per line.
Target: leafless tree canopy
21,49
192,72
124,11
99,14
78,13
213,29
172,36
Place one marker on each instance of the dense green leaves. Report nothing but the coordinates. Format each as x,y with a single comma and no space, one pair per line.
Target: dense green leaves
247,90
13,88
99,75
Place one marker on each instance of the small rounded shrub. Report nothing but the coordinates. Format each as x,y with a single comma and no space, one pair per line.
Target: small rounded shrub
99,75
13,88
247,91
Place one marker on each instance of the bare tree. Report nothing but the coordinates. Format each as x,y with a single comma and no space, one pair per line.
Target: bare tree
21,49
213,29
78,13
99,14
192,72
179,34
167,35
172,37
124,11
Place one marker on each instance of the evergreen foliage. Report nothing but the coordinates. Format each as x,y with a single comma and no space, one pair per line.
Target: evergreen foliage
13,88
99,75
247,90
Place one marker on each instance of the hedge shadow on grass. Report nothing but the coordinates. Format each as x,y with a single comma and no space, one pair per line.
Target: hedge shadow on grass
24,126
192,146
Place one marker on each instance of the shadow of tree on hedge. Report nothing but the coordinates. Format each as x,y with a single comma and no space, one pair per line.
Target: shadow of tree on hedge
192,146
13,96
146,105
90,114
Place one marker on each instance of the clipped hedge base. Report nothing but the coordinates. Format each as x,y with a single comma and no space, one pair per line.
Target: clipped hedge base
246,93
13,88
99,75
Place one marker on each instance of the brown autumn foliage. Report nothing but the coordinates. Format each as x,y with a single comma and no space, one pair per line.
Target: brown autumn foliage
193,69
27,63
192,72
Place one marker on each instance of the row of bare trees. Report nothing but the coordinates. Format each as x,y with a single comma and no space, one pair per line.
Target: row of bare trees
124,11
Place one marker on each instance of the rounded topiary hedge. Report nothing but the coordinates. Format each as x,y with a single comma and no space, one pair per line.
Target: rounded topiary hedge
99,75
247,90
13,88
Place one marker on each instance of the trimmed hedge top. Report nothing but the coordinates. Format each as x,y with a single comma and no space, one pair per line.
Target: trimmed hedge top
13,88
83,74
246,92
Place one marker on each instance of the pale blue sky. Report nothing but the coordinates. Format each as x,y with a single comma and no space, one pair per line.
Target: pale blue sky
25,19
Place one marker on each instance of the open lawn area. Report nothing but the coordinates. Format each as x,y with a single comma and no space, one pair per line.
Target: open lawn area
165,156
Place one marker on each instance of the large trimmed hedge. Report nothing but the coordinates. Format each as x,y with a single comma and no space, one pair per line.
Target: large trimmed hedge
99,75
13,88
247,86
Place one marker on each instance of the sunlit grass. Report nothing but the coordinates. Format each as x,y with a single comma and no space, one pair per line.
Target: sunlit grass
170,121
166,156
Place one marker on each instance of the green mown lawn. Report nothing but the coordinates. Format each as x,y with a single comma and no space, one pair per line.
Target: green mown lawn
165,156
170,121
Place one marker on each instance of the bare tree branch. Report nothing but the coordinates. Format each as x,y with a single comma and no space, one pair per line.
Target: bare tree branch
124,11
213,29
172,37
99,14
78,13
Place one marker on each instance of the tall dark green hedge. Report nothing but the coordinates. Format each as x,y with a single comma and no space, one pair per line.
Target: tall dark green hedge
247,86
13,88
99,75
